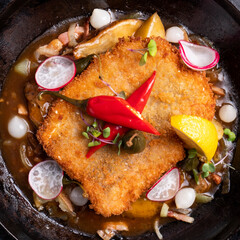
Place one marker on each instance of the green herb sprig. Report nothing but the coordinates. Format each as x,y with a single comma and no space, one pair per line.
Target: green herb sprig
207,168
93,132
195,175
191,162
151,50
106,132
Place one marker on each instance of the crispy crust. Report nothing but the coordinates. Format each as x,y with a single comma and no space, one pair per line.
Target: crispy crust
113,182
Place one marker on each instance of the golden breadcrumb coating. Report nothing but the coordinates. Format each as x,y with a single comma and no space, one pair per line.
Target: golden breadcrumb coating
113,182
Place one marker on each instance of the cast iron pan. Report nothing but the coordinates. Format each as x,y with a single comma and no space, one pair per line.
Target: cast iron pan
22,21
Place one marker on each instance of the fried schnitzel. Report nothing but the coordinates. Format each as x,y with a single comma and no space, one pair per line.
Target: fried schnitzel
113,182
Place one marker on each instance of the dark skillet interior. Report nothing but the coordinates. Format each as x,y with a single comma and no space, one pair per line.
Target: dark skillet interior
23,21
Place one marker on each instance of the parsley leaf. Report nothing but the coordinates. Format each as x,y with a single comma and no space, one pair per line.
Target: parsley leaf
205,167
106,132
152,48
143,59
85,135
94,143
211,167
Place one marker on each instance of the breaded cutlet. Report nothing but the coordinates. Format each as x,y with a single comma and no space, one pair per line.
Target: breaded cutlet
113,182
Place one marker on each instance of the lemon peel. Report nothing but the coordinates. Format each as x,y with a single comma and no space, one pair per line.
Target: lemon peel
196,132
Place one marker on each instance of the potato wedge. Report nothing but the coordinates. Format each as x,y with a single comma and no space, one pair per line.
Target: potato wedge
151,27
107,38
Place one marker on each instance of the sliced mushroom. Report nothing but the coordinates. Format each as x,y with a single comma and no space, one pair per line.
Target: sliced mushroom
39,202
107,38
65,203
213,74
218,91
117,226
106,234
110,229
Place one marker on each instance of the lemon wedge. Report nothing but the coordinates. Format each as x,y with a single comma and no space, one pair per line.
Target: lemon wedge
196,132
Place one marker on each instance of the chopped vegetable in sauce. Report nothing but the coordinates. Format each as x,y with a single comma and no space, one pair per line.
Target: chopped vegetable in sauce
193,181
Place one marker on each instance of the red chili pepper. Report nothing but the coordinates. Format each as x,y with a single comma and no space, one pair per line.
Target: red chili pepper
138,100
117,111
111,109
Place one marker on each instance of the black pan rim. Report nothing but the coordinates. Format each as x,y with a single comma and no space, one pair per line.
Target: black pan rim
22,235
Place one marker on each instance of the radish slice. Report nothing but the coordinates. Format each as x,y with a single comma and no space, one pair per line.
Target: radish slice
45,179
55,72
166,187
198,57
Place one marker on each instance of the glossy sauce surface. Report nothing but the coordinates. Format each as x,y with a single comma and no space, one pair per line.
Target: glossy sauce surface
12,99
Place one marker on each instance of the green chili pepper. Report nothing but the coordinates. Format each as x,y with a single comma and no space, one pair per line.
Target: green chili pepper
83,63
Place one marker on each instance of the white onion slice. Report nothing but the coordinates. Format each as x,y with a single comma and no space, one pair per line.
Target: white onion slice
174,34
100,18
77,198
166,187
185,197
55,72
198,57
45,179
17,127
228,113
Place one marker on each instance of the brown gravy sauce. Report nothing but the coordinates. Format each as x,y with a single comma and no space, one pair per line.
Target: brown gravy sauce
13,97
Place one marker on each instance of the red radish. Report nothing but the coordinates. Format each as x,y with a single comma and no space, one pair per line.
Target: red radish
45,179
55,73
166,187
198,57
